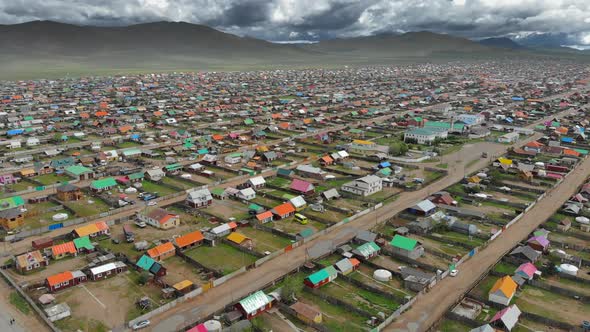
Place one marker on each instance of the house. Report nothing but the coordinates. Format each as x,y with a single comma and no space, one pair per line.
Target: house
155,174
534,146
240,239
254,305
27,172
42,168
80,172
526,270
506,318
415,279
365,186
302,187
525,254
172,169
189,240
83,244
442,197
331,194
284,172
64,280
264,217
306,313
69,192
11,218
31,261
62,250
57,312
367,250
502,291
246,194
42,243
107,270
8,179
326,160
309,171
256,182
321,277
92,230
224,229
347,265
283,211
199,198
103,184
564,225
483,328
365,236
233,158
423,208
461,227
509,138
539,243
32,141
406,247
63,163
298,202
148,264
425,135
162,251
159,218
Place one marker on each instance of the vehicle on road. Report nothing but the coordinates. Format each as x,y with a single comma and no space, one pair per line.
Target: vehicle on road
141,325
454,273
140,224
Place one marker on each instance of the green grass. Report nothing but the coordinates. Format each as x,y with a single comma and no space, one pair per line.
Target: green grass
153,187
336,318
443,165
179,183
20,303
221,257
128,144
265,241
22,185
448,325
505,268
84,209
47,179
80,324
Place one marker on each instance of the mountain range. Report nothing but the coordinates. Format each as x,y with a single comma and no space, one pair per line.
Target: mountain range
50,49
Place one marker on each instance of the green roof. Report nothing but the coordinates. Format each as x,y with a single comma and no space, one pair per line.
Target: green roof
255,301
11,202
306,233
323,274
83,243
581,151
356,131
203,151
131,152
249,121
403,242
288,196
255,207
368,248
136,176
145,262
217,191
173,167
385,171
103,183
443,124
78,170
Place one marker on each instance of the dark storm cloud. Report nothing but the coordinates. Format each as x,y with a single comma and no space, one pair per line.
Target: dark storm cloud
320,19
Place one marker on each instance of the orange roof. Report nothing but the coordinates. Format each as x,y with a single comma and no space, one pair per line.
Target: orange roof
84,115
562,130
354,261
276,115
188,239
284,209
217,137
158,113
506,285
236,237
284,125
124,129
307,121
264,215
534,144
327,159
64,248
101,113
101,225
59,278
571,152
161,249
232,225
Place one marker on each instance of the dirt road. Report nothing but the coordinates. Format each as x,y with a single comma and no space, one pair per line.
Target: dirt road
429,308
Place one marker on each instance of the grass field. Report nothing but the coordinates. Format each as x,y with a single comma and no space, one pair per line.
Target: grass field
222,257
20,303
265,241
47,179
153,187
85,209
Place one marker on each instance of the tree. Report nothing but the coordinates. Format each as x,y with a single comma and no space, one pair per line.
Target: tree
143,278
398,148
290,289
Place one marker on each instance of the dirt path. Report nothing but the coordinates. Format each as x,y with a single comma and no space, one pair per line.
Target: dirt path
429,308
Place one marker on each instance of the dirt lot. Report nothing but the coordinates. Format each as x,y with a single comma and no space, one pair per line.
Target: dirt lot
54,267
552,305
228,208
178,270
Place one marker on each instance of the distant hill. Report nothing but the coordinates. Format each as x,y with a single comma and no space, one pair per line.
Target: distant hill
502,42
51,49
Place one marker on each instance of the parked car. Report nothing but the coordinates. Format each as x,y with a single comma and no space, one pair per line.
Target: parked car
454,272
140,224
141,325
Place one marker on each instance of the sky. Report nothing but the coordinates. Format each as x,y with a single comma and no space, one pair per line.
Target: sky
568,21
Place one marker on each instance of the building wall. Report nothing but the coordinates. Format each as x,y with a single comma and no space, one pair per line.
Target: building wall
498,299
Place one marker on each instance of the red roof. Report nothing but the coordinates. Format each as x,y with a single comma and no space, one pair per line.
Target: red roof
301,186
188,239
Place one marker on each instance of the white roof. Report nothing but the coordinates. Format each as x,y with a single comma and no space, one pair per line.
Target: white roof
196,166
106,267
425,205
298,201
510,317
343,154
200,195
258,180
112,153
247,192
220,229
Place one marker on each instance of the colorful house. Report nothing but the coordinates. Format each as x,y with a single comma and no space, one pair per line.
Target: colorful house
406,247
307,313
302,187
526,271
507,318
254,305
159,218
283,211
539,243
189,240
162,251
31,261
62,250
321,277
503,291
64,280
367,250
92,230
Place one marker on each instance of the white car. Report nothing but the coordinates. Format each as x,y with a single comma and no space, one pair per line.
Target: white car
454,273
141,325
152,203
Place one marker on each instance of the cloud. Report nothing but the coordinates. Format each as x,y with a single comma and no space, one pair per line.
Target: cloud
320,19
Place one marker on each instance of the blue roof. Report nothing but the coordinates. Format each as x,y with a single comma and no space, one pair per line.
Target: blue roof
385,164
14,132
567,139
517,98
